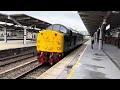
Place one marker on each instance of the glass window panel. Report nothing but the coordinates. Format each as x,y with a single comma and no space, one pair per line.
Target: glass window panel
63,29
50,27
56,27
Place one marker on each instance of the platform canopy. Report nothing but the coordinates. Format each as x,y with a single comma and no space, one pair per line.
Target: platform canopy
16,28
94,19
9,26
24,20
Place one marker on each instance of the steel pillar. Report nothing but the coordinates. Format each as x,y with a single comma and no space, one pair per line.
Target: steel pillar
24,34
24,42
97,36
5,34
103,26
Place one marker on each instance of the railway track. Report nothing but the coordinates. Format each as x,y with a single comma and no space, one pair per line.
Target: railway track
18,57
17,69
12,67
33,74
20,66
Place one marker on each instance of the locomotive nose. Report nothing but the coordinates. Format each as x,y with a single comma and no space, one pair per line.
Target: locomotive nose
50,41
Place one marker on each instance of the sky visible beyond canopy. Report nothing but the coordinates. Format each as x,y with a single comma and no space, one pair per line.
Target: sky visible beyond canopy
67,18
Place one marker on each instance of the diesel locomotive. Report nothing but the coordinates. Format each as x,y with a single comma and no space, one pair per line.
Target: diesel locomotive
56,40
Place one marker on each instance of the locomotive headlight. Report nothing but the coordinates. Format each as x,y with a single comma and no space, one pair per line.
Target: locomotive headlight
58,48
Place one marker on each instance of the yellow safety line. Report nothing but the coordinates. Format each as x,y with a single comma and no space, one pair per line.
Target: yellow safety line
74,67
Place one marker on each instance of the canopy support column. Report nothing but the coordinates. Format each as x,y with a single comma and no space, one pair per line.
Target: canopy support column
5,34
103,26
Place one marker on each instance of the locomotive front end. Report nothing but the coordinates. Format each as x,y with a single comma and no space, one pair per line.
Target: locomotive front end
50,45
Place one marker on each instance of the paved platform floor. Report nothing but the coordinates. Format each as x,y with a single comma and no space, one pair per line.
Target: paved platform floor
86,63
15,44
94,64
113,52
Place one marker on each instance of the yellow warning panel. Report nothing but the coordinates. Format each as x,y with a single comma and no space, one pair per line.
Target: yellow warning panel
50,41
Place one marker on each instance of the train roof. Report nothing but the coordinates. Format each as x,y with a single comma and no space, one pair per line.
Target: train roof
68,28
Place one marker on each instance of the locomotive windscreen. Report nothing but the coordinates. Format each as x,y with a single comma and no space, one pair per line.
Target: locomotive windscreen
57,27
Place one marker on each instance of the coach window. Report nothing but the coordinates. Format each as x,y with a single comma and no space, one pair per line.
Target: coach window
63,29
50,27
56,27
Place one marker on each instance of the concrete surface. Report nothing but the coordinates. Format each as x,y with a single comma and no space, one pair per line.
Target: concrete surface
95,64
15,44
113,52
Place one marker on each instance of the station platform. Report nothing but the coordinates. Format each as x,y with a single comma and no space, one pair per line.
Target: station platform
113,52
15,44
85,63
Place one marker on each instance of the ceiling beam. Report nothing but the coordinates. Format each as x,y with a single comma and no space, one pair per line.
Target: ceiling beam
22,18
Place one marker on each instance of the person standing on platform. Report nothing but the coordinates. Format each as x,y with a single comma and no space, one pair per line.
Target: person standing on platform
92,42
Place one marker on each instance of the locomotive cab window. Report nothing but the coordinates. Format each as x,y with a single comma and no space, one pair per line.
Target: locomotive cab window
56,27
49,27
63,29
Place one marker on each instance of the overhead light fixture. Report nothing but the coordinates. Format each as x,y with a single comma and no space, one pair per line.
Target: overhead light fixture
9,17
116,12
